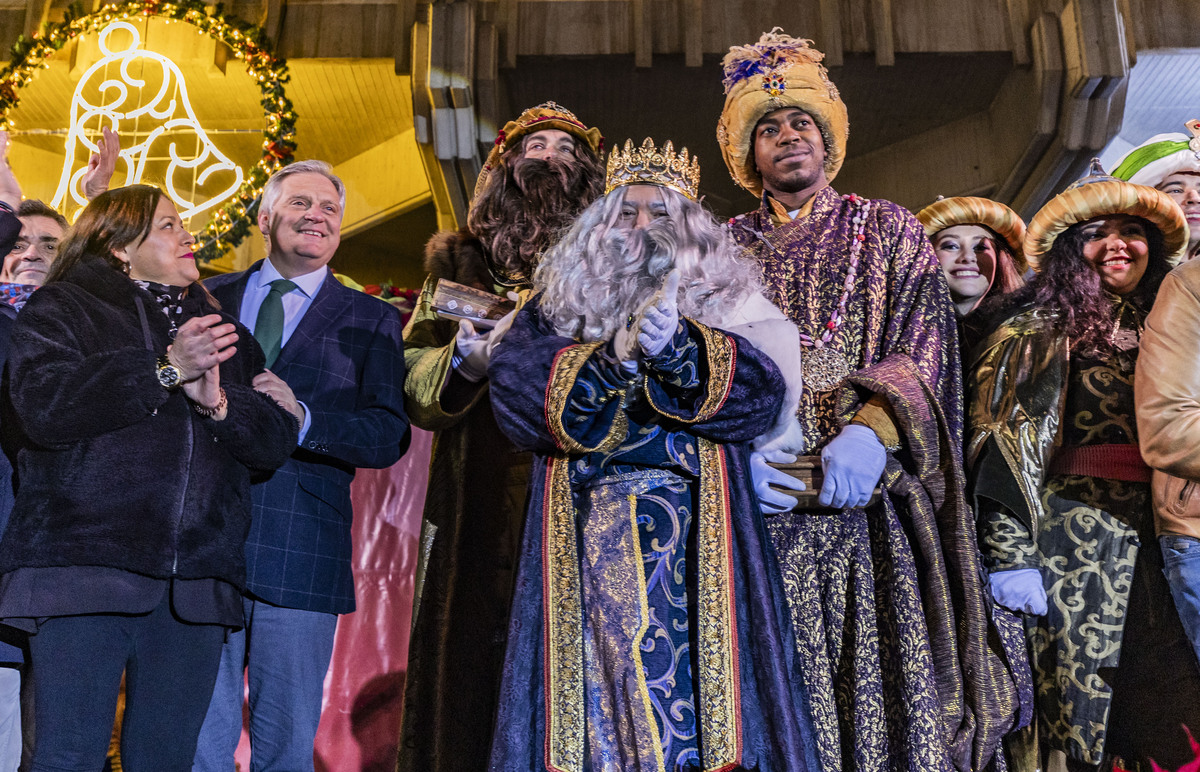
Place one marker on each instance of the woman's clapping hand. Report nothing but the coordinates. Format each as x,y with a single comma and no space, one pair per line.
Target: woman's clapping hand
201,344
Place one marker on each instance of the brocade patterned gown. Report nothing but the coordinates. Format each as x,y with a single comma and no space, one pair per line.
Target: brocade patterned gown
1096,550
887,603
648,630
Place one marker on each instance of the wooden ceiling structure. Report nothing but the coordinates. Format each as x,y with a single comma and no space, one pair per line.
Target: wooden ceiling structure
1003,98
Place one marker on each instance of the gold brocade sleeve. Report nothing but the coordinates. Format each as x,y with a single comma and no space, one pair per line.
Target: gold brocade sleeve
877,416
428,349
1017,388
563,374
719,354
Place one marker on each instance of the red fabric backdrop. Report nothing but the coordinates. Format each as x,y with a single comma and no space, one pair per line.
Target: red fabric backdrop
365,685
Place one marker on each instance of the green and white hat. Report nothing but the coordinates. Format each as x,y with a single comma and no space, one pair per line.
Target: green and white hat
1161,156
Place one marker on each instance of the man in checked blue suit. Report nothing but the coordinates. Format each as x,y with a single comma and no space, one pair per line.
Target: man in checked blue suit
335,359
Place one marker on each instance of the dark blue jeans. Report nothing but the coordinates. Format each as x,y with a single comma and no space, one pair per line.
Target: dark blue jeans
1181,564
170,669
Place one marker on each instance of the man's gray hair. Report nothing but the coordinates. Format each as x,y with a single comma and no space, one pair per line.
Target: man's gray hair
270,192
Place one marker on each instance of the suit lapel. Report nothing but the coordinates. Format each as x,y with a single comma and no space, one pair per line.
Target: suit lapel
328,306
230,295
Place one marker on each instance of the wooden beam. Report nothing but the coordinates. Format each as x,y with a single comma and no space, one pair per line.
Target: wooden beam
406,19
35,16
640,18
693,33
506,25
1018,30
885,39
831,32
273,25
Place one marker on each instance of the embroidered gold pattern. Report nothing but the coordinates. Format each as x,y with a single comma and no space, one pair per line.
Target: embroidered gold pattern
558,395
721,354
719,700
564,626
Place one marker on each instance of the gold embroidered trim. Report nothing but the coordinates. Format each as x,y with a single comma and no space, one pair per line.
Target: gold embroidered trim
564,625
721,354
643,689
563,374
719,698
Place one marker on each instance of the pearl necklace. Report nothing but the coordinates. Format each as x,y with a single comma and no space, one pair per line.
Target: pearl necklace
824,368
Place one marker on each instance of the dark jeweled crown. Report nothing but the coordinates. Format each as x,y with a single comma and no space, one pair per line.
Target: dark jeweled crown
648,165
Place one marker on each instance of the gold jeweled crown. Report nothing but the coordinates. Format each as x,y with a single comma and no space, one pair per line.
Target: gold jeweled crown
647,165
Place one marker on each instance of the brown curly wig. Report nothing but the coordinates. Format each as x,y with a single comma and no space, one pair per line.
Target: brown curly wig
525,208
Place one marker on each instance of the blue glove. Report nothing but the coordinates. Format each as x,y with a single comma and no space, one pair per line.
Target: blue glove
853,463
1020,590
772,502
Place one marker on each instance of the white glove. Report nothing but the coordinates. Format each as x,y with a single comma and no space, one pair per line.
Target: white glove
471,353
1020,590
853,462
473,350
764,476
660,319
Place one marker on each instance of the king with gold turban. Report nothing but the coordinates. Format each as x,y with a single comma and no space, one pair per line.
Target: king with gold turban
889,610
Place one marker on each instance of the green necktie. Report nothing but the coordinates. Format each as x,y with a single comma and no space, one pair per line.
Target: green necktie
268,328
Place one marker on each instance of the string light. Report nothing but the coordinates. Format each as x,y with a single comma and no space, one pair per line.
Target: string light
233,221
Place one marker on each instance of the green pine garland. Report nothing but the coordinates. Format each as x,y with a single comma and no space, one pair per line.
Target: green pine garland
232,222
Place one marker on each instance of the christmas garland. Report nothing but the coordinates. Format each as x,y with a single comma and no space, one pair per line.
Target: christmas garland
230,223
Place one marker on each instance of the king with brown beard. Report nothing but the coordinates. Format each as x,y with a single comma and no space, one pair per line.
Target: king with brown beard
542,172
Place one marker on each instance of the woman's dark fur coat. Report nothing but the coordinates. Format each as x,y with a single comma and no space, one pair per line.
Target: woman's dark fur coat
112,469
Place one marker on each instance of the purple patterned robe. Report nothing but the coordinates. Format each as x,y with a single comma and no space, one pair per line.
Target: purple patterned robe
583,669
888,603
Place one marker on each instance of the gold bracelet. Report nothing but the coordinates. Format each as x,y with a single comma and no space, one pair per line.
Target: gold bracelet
209,412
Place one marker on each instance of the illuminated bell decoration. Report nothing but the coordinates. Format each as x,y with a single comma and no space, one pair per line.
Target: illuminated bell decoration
249,43
176,116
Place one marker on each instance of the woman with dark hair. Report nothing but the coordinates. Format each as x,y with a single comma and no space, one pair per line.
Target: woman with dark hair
129,406
1061,493
977,242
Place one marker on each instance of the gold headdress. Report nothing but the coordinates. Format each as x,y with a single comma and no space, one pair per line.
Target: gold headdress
969,210
647,165
776,72
1097,195
548,115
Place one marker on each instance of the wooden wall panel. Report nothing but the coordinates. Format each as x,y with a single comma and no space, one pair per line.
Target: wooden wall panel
738,22
328,30
575,27
858,33
1166,23
946,27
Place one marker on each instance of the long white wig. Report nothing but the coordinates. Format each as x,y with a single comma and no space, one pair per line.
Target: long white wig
599,274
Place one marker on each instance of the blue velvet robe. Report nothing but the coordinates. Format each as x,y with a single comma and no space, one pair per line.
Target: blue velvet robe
638,470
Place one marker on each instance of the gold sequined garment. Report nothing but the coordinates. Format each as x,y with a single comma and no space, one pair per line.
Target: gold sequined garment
887,602
1088,536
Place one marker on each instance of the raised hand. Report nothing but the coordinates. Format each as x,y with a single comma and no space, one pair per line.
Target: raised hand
660,318
10,190
102,164
205,391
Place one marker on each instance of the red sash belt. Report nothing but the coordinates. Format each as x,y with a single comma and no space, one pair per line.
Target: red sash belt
1112,462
